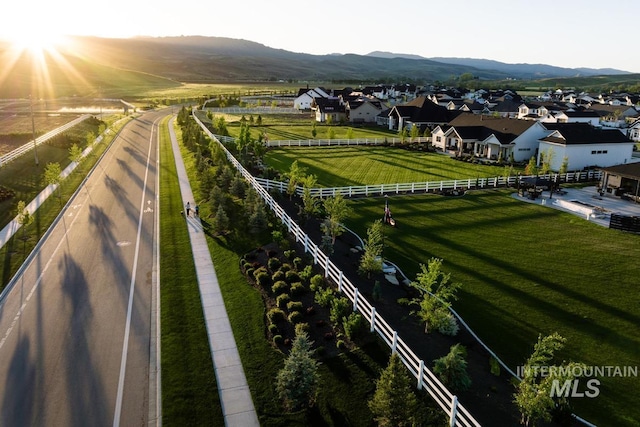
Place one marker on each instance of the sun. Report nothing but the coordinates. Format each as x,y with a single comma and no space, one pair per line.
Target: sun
36,42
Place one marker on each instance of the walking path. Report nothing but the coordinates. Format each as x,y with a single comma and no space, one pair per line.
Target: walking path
235,396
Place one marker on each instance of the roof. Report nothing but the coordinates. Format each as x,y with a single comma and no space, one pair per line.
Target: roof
582,113
583,133
629,170
423,110
499,124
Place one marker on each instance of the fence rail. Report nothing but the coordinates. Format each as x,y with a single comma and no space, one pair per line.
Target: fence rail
428,186
348,142
41,139
458,415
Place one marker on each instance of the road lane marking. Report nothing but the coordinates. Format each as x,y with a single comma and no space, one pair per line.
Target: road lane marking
132,286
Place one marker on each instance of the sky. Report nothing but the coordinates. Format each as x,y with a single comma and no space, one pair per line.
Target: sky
566,33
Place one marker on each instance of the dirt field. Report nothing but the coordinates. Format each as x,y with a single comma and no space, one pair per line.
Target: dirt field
16,128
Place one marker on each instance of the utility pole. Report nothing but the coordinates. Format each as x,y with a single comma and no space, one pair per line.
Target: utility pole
33,130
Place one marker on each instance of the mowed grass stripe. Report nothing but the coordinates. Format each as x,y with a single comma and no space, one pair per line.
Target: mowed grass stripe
528,270
189,390
370,165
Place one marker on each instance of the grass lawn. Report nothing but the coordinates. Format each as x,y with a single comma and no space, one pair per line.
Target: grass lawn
26,179
189,390
527,270
346,381
360,165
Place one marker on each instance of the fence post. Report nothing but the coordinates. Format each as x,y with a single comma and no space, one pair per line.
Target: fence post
394,344
373,319
454,411
420,374
366,190
340,281
413,185
355,300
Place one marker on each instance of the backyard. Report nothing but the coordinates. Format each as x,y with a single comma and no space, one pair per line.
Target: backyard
525,269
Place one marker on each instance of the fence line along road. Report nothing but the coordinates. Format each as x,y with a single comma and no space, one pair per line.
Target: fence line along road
30,145
458,415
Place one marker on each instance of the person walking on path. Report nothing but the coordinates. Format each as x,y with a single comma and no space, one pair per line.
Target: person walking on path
188,208
196,211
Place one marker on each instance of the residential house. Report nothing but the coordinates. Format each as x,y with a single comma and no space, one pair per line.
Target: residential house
305,97
633,132
615,116
622,180
363,109
490,137
585,146
578,116
420,112
329,109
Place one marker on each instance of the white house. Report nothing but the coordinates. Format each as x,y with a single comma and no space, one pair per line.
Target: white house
305,98
579,116
363,110
633,132
585,146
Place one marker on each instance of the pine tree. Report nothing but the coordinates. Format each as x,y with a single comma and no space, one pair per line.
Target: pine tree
297,381
452,369
394,402
221,221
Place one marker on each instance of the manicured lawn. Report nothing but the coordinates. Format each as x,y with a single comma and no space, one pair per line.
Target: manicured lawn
528,270
189,391
345,166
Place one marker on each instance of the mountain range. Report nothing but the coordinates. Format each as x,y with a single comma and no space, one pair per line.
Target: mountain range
112,63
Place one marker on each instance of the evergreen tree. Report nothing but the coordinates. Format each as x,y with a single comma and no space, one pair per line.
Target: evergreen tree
371,260
452,369
220,222
394,403
297,381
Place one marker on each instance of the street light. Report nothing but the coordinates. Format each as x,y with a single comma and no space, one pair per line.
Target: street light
33,131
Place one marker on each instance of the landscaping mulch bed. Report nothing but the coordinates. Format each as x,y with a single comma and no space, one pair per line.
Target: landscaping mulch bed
490,398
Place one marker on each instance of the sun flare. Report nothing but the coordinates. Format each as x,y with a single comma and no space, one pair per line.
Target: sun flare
35,42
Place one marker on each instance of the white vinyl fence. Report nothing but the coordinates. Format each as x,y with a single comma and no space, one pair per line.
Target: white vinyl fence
340,142
429,186
458,415
29,146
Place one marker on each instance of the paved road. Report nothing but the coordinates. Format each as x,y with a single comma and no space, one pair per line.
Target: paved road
78,331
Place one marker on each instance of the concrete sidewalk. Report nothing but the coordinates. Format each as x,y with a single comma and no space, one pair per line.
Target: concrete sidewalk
235,396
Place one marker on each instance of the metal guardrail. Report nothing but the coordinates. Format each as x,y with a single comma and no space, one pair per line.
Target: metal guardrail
41,139
458,415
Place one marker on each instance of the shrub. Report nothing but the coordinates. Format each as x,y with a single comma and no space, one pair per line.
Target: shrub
277,276
340,307
302,327
447,324
282,300
280,287
297,289
273,264
263,279
305,274
452,369
276,315
317,282
290,254
294,306
273,329
249,272
246,265
295,317
354,325
285,267
292,276
341,345
494,365
278,340
258,270
297,263
323,297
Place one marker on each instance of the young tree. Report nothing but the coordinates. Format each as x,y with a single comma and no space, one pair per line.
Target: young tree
437,292
546,157
24,219
297,381
310,201
402,133
452,369
394,403
337,210
331,134
314,131
350,133
531,168
52,176
534,394
564,167
220,222
296,175
414,133
75,154
371,260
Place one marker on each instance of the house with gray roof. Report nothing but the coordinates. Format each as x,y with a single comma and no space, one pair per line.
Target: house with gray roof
585,146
